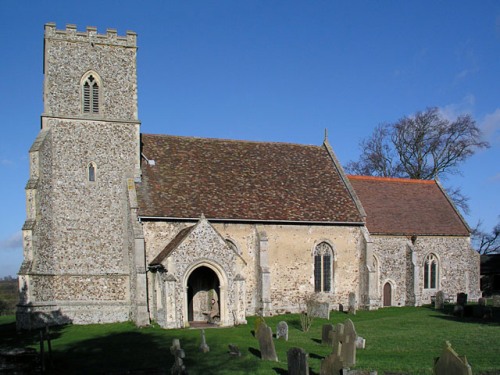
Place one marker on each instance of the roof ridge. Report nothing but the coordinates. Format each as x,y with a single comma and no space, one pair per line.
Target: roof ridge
229,140
391,179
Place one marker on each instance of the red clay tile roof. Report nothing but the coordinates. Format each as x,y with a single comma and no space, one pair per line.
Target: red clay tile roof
407,207
241,180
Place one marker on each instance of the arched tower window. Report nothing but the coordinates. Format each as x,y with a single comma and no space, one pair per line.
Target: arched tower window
323,267
91,92
431,271
91,172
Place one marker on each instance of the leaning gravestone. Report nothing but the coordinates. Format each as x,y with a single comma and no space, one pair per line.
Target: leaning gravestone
352,303
282,331
297,362
439,300
451,363
326,334
266,343
319,309
349,344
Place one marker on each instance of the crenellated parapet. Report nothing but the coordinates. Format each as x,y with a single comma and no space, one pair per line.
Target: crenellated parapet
91,36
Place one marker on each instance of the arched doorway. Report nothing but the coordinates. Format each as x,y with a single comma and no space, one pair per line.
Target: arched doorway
387,294
202,285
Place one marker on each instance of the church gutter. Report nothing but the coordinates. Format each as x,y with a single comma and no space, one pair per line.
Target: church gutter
253,221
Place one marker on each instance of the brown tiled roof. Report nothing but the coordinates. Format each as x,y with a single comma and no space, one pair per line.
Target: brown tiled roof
241,180
408,207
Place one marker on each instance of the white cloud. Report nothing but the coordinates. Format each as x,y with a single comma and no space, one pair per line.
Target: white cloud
14,242
452,111
490,126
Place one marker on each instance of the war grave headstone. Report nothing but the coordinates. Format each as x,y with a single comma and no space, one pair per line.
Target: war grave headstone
352,303
327,334
319,309
450,363
282,331
439,300
266,343
297,362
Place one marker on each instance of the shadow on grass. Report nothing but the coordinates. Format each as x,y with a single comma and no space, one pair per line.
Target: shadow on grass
317,341
255,352
11,338
471,314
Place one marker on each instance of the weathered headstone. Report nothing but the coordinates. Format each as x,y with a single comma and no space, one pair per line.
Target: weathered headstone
234,350
450,363
439,300
337,338
282,331
259,320
349,344
352,303
297,362
496,300
461,299
266,343
204,348
318,309
332,364
360,342
326,334
481,301
178,368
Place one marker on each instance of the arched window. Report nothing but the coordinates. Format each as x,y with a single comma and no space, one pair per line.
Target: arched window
90,93
431,270
323,267
91,172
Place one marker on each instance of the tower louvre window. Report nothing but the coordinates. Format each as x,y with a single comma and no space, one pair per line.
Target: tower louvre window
91,95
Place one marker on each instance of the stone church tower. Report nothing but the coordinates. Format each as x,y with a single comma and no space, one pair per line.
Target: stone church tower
80,263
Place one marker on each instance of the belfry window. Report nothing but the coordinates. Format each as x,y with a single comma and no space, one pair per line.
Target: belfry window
90,95
431,271
323,267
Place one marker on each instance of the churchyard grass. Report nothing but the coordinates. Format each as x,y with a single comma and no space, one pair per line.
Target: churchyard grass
399,340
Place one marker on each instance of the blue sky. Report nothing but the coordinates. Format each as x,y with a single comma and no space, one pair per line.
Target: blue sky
269,71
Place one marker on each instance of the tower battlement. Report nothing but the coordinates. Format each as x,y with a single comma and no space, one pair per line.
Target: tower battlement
90,35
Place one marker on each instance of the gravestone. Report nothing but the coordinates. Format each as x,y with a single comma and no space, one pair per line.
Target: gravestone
337,338
331,364
297,362
439,300
178,368
259,320
481,301
318,309
352,303
266,343
326,334
204,348
450,363
461,299
360,342
349,344
282,331
496,301
234,350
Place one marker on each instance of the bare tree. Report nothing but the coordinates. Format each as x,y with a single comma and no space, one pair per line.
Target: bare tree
486,243
423,146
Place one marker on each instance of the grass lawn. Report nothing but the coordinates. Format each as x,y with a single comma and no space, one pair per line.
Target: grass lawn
398,340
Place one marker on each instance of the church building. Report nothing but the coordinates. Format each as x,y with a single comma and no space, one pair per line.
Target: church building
126,226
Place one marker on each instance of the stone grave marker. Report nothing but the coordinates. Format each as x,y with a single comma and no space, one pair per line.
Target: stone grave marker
450,363
337,338
282,331
352,303
461,299
331,364
259,320
327,334
266,343
319,309
234,350
204,348
496,301
439,300
178,368
297,362
360,342
349,344
481,301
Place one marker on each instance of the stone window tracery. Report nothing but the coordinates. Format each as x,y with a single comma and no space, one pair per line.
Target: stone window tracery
323,267
431,271
91,88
